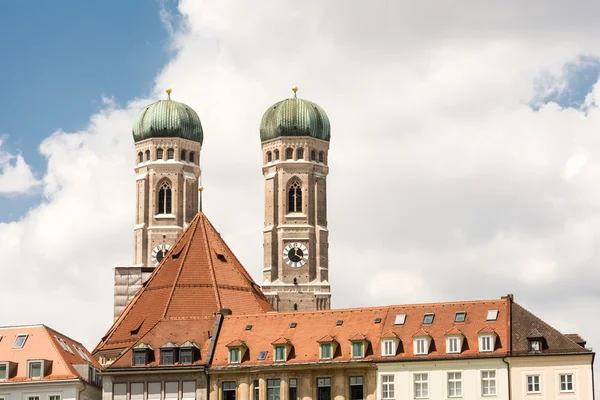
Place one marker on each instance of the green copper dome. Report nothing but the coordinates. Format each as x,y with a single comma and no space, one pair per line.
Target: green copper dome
168,118
295,117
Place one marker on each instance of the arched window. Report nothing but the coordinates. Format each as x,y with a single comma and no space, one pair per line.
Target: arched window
300,154
313,155
140,157
164,198
170,154
276,154
295,197
159,154
321,157
191,156
289,154
147,155
269,156
183,155
295,307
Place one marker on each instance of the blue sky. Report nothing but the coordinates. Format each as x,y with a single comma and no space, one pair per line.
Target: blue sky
60,58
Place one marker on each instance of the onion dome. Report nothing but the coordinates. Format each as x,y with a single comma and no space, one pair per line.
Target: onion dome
295,117
168,118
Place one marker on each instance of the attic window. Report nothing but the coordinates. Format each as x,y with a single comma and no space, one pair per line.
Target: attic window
262,356
400,319
64,345
19,342
460,316
175,256
293,325
221,258
140,357
137,326
535,345
428,318
377,320
339,322
492,315
186,356
4,370
248,327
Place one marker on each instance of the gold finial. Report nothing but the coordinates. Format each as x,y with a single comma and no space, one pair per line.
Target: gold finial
169,90
294,89
200,188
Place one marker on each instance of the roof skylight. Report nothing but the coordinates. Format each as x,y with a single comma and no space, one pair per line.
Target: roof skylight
492,315
460,316
19,341
428,318
377,320
248,327
64,345
293,325
400,319
339,322
262,355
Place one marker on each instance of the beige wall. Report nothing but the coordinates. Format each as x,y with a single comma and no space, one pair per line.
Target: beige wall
549,368
307,381
108,383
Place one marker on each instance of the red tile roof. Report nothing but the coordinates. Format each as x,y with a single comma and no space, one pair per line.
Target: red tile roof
42,343
198,277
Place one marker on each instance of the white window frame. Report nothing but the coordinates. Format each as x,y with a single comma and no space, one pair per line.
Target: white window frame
277,358
29,363
531,380
322,346
422,380
21,335
388,385
452,383
33,397
449,349
488,379
362,349
57,396
238,352
384,348
560,383
7,366
484,341
417,346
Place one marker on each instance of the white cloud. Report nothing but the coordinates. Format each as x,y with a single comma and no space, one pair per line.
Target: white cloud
444,183
16,176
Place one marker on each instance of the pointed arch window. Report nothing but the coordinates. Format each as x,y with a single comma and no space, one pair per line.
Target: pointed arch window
159,154
269,156
300,154
164,198
140,157
183,155
192,156
321,157
276,154
289,154
313,156
170,154
295,197
147,155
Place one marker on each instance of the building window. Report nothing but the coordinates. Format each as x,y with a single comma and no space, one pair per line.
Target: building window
387,348
421,346
234,355
167,357
256,385
119,391
421,386
454,384
321,157
323,389
136,391
171,390
452,345
139,357
54,397
140,157
164,198
356,388
269,156
19,342
533,384
486,343
428,318
325,351
300,154
228,390
183,154
33,397
387,387
3,370
313,155
295,197
289,154
188,390
535,345
192,157
273,389
159,154
186,356
293,389
276,154
147,155
566,382
488,383
34,369
357,349
279,353
170,154
460,316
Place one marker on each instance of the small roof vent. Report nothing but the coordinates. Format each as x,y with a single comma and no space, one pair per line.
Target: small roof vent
339,322
400,319
377,320
492,315
248,327
293,325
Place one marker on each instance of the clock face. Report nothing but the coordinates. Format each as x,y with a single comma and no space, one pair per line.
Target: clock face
295,255
159,252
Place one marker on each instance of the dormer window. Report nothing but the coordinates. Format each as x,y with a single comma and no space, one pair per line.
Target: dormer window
234,355
35,368
452,344
535,345
326,351
4,370
186,356
357,350
421,347
281,349
168,354
536,341
388,348
279,353
359,344
486,343
142,354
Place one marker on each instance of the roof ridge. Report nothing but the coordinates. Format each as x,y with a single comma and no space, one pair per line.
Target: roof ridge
68,365
213,275
181,264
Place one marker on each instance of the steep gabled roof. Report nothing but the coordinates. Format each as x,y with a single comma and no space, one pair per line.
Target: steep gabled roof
44,343
198,277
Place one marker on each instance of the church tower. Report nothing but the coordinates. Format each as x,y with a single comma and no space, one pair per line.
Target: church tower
168,138
295,137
